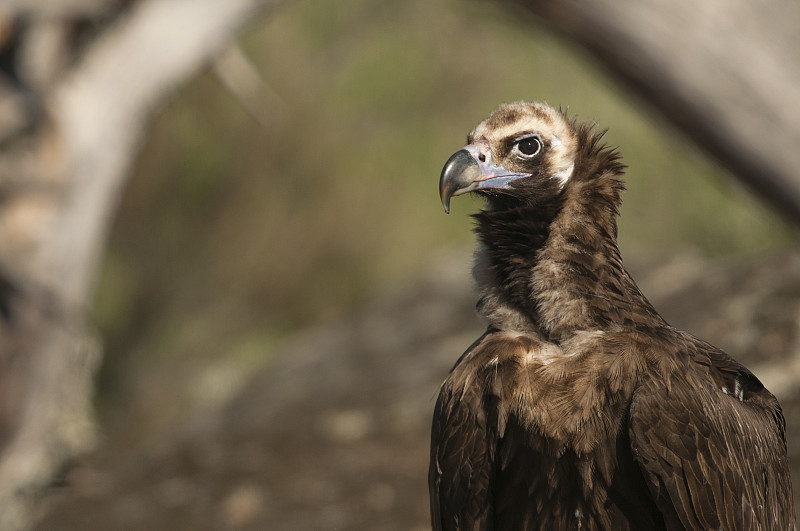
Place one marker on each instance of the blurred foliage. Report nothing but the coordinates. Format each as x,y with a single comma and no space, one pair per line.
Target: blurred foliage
235,231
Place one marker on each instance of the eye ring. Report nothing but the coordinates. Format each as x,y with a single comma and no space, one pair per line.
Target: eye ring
528,146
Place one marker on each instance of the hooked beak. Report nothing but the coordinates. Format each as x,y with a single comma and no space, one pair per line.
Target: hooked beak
470,169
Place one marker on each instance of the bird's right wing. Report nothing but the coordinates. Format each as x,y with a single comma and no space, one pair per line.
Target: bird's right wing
463,442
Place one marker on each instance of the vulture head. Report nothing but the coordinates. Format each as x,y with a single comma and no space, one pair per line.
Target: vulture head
552,191
522,153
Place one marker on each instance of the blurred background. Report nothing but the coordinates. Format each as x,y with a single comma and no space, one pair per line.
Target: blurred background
237,229
281,292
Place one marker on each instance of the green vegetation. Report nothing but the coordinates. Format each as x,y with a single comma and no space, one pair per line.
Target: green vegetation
234,232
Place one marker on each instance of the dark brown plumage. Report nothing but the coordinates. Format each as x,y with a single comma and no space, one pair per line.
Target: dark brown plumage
580,407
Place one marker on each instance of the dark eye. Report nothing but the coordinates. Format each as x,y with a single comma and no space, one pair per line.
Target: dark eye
528,147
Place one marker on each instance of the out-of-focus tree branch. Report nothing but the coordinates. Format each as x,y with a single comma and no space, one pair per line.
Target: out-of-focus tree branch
82,77
727,72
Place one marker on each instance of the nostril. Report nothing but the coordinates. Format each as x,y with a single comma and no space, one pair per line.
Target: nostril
482,157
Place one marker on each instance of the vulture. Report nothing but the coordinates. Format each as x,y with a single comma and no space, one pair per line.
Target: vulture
580,407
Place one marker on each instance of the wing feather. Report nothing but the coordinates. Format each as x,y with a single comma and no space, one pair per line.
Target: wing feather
712,447
463,446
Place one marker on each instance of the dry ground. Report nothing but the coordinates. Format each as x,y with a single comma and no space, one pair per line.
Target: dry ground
334,434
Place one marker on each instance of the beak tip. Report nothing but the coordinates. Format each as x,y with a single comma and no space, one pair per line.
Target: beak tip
446,204
459,172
